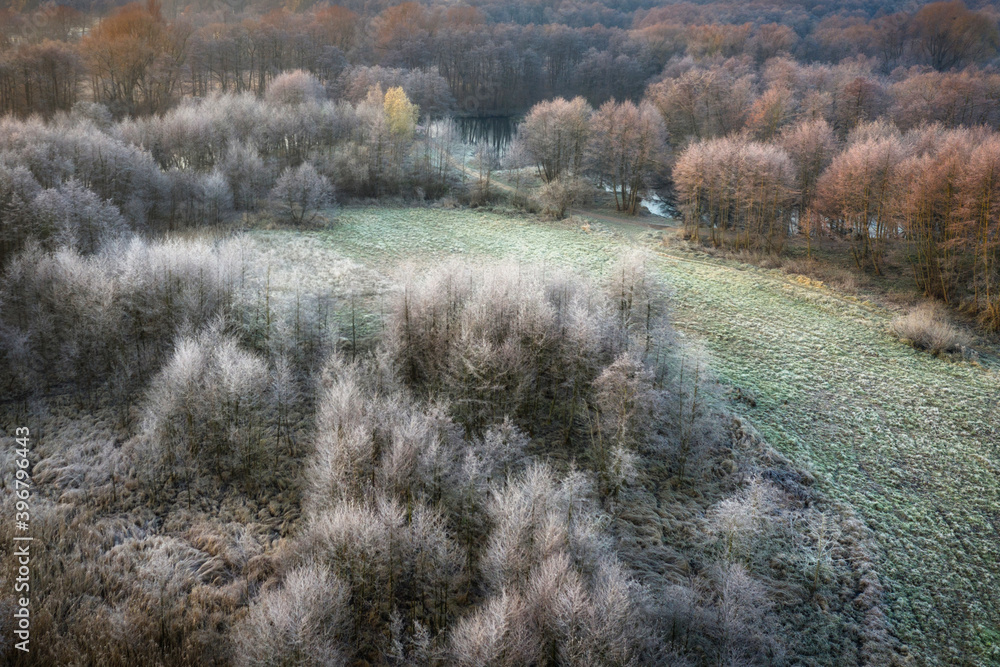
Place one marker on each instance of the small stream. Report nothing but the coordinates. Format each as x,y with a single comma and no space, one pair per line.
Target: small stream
658,206
655,204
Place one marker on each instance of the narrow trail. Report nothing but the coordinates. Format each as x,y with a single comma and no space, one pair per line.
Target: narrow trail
647,221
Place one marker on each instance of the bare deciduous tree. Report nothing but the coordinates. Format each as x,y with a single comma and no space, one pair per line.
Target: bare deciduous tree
555,135
300,194
627,149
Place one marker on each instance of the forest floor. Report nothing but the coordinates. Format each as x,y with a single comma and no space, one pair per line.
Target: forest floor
910,441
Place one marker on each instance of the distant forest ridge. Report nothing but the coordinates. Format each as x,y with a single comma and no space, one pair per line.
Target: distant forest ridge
529,11
494,57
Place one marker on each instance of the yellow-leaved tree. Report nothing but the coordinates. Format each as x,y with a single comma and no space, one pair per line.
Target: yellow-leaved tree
400,113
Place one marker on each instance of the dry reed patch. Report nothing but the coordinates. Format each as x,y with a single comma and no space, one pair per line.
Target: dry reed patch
926,328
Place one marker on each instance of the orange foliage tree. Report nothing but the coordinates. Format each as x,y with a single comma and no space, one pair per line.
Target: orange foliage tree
135,59
950,34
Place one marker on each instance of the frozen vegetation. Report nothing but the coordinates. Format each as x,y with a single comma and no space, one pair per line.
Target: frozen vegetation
341,339
434,438
906,440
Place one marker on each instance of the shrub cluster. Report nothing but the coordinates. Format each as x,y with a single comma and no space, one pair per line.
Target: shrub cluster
589,517
110,316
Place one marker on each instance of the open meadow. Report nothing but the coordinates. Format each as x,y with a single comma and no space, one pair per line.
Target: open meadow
911,442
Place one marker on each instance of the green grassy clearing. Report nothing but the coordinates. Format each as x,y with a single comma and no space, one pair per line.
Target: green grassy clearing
911,441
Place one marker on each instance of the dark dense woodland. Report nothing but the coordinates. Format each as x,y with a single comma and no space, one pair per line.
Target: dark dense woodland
516,466
495,57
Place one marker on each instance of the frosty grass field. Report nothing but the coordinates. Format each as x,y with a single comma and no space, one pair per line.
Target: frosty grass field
910,441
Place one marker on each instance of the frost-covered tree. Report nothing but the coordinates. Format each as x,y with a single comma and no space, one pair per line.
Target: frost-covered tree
211,408
295,87
301,193
625,397
247,175
18,189
557,594
217,197
746,619
73,216
394,559
296,625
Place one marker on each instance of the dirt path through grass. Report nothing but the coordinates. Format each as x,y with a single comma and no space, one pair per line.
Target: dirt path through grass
910,441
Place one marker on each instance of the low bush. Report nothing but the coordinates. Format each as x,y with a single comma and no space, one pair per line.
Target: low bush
561,194
926,328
